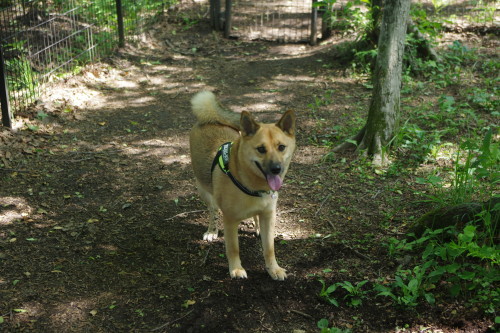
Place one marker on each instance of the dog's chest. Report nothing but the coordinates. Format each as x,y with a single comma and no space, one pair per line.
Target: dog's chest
247,206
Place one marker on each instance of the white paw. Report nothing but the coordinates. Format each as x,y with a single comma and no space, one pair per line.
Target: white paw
210,236
238,273
277,273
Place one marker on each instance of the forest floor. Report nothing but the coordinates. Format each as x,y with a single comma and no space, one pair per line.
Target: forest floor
101,227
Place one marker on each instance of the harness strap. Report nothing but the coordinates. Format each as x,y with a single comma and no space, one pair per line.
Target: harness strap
222,159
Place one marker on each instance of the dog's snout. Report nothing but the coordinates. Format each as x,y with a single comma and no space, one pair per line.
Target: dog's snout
276,169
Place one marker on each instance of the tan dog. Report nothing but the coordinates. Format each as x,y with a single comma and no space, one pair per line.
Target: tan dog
243,180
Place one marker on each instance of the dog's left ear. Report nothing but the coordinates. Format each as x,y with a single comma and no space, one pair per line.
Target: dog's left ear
287,123
248,124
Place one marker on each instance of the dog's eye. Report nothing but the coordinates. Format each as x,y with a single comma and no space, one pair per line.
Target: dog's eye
281,147
261,149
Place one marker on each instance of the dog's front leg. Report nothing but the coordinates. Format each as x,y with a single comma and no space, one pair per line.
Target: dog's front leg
233,249
267,221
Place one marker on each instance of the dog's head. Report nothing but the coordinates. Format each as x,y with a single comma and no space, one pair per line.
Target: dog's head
268,148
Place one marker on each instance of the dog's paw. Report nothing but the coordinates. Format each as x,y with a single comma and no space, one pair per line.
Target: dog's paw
238,273
210,236
277,273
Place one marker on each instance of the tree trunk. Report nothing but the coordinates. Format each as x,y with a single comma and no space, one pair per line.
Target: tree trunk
384,113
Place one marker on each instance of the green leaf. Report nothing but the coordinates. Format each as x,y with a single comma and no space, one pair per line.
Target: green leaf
387,293
331,289
333,301
356,301
455,290
323,323
420,180
413,285
466,275
436,273
354,142
452,268
430,298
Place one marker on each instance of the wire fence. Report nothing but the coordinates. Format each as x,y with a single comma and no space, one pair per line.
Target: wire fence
274,20
296,21
41,38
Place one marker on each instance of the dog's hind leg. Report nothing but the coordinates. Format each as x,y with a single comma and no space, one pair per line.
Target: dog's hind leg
212,232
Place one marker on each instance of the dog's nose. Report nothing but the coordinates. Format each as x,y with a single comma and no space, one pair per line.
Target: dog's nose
275,169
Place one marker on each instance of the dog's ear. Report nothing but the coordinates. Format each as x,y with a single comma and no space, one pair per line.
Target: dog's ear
287,123
248,124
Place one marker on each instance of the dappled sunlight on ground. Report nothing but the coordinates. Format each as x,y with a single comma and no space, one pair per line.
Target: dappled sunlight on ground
101,202
14,208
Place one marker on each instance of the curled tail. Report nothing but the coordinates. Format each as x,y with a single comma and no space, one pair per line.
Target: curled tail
207,110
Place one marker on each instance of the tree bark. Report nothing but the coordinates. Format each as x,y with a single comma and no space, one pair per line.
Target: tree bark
384,113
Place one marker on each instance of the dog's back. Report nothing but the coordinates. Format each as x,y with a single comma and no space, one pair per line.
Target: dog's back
214,127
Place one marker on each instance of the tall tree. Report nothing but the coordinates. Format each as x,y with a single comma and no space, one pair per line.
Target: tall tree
384,113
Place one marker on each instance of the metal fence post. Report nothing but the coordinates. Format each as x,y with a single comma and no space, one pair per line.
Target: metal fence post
4,93
121,30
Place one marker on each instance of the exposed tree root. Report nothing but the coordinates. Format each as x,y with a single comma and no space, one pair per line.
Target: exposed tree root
425,49
457,215
369,147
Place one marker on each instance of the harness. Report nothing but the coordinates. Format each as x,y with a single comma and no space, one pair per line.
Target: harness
222,159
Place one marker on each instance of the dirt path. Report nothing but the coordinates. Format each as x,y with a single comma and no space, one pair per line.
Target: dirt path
100,224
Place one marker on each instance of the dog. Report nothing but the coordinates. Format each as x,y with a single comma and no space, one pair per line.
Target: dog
239,165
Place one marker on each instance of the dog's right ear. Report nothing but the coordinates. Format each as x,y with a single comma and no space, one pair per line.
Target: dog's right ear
248,124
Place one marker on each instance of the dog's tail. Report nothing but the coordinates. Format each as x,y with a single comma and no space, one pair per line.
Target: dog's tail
208,111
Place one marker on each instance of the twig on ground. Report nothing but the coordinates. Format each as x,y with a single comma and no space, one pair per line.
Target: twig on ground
363,256
175,49
184,214
206,257
97,152
302,314
322,203
14,170
171,322
288,211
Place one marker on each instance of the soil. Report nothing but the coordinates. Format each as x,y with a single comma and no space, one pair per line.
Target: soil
101,227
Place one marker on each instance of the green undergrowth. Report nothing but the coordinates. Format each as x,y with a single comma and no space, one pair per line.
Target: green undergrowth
447,154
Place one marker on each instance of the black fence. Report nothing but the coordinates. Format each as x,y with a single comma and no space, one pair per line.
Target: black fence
40,38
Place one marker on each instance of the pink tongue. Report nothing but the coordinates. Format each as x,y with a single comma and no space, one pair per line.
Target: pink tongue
274,182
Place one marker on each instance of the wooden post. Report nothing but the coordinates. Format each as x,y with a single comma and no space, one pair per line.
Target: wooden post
211,11
314,23
4,93
121,30
217,15
227,25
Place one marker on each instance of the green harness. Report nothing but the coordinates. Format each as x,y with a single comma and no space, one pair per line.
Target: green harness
222,159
